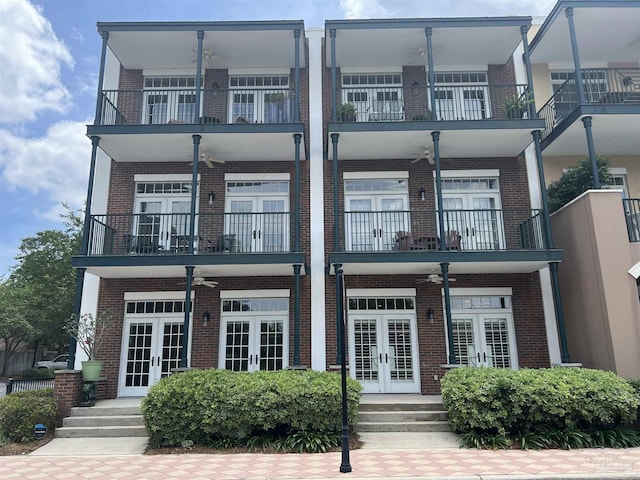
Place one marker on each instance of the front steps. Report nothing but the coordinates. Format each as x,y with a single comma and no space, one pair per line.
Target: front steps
402,413
108,419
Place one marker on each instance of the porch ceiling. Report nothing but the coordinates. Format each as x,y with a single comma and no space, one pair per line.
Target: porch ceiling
170,48
604,34
452,46
612,134
469,143
232,147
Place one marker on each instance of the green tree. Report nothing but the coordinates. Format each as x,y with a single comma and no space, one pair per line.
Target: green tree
15,329
47,281
576,181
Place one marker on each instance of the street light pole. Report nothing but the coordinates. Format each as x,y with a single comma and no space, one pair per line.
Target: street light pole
345,466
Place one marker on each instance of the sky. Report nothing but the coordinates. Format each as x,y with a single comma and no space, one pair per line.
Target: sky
49,60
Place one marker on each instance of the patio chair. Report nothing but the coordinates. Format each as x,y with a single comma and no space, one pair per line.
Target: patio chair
453,240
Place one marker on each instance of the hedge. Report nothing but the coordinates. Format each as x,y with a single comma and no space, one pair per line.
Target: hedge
507,402
204,406
21,411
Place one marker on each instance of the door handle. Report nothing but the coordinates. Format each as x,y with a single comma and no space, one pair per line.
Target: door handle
484,356
380,358
250,359
254,234
386,358
158,360
380,233
152,359
478,357
473,232
466,231
375,231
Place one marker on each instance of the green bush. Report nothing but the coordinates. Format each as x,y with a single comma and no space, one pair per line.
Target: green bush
21,411
506,402
635,384
210,406
37,373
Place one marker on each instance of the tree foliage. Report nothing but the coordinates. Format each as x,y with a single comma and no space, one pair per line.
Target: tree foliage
576,181
38,296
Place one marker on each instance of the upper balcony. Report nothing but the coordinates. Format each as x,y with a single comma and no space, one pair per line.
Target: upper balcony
385,107
607,43
150,107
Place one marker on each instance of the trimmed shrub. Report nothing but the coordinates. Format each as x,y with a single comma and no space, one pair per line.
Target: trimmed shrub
21,411
635,384
209,406
506,402
37,373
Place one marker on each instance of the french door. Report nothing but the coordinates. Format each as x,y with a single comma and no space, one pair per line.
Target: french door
373,220
161,224
258,224
151,348
169,106
254,342
484,340
477,218
383,352
462,103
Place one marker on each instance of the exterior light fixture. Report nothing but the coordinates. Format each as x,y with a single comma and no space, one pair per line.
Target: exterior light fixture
414,87
212,197
422,192
430,314
205,318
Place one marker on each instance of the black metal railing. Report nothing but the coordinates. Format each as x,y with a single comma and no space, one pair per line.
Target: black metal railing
178,106
466,230
632,216
19,385
602,86
165,234
452,102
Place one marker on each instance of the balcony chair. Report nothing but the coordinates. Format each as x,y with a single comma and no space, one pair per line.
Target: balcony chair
453,240
406,241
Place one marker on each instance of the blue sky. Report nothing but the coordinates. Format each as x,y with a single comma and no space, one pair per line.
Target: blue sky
49,57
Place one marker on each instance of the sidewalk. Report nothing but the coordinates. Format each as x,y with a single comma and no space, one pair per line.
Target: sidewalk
392,464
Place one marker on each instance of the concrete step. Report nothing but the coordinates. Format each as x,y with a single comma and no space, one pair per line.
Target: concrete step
103,421
98,411
103,432
434,426
403,416
366,406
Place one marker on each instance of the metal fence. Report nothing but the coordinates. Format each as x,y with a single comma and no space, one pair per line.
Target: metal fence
632,217
28,385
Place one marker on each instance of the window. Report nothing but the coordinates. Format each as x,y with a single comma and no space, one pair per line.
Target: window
260,99
169,100
462,96
376,96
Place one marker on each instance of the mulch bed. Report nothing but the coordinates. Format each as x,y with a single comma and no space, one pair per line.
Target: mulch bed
23,448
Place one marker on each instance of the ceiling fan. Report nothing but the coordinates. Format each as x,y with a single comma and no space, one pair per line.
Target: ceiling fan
208,55
426,154
421,51
433,278
201,282
208,159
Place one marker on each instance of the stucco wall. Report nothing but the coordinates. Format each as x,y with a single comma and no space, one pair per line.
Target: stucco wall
600,298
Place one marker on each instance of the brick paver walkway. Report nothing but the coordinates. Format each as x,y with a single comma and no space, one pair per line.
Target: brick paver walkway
366,464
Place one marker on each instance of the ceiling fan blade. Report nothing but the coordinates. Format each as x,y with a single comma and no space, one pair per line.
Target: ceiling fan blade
417,159
217,160
431,160
207,161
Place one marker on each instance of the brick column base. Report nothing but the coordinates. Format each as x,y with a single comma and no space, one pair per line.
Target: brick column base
67,391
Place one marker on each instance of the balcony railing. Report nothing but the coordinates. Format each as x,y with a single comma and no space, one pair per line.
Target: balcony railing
453,102
178,106
632,216
166,234
465,230
602,86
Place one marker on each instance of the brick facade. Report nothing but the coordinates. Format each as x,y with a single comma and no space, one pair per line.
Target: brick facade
67,391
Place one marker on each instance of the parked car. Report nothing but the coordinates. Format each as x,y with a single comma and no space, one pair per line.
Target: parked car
58,363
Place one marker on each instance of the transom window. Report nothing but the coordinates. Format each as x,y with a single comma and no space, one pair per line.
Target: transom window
252,81
256,305
373,79
378,303
258,187
480,303
149,306
471,77
163,188
376,185
169,82
470,184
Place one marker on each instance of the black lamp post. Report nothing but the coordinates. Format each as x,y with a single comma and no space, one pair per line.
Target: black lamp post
345,465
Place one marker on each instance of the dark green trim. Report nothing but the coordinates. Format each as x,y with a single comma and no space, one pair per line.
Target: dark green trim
557,300
187,313
593,159
561,5
444,268
169,128
436,256
296,316
186,260
453,22
591,110
103,59
495,124
206,26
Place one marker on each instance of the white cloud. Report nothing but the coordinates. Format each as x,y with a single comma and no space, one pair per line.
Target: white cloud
56,165
363,8
31,59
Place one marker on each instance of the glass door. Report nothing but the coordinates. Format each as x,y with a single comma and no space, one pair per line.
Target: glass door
372,221
252,343
484,340
258,224
383,353
161,225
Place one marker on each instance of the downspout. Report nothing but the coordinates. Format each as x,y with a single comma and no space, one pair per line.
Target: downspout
336,224
334,111
99,99
296,268
296,106
432,75
199,76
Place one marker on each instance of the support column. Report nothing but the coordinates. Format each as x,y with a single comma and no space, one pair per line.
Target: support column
198,119
296,230
336,227
99,98
296,315
432,75
194,193
553,266
345,465
444,267
531,107
187,318
296,105
84,247
593,158
334,110
576,56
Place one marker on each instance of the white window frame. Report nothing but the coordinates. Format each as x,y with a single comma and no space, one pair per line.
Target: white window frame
259,105
172,110
361,95
458,87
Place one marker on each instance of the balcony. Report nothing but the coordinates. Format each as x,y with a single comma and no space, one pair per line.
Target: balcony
632,217
232,244
476,241
609,92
